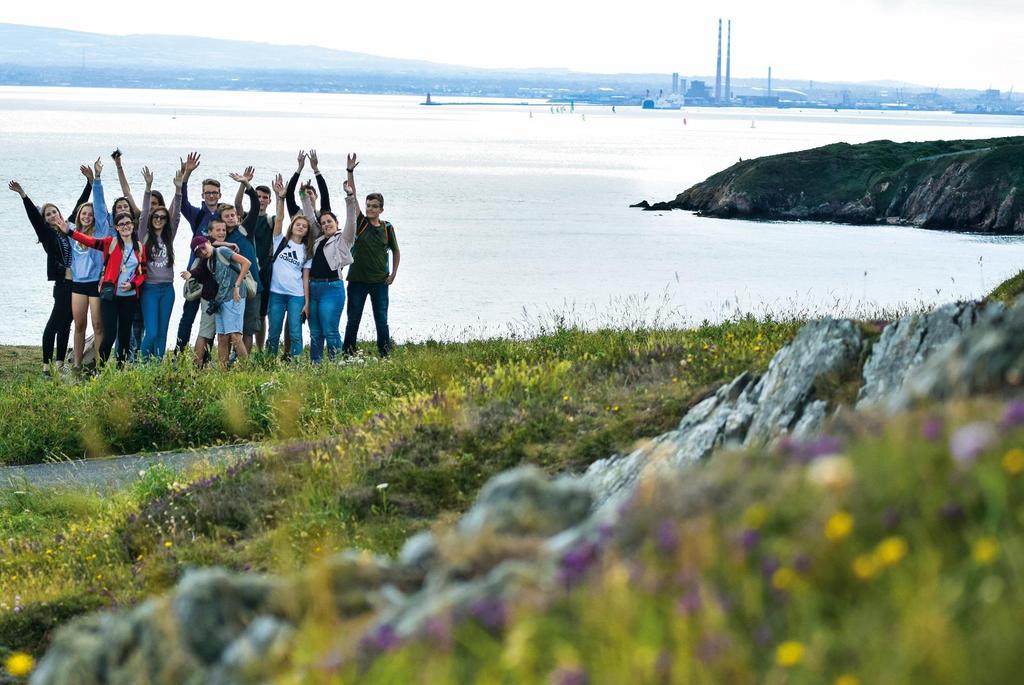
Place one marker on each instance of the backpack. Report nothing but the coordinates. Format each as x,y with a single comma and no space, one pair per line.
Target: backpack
385,224
248,283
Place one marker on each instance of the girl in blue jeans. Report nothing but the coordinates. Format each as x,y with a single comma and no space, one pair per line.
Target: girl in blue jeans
332,252
289,278
157,228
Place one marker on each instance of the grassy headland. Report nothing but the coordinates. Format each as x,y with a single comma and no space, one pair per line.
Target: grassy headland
960,185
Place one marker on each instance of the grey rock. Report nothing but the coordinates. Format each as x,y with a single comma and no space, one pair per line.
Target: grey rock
987,359
525,501
253,656
906,343
823,351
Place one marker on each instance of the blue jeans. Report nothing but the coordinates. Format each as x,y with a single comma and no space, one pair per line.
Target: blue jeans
157,300
279,305
357,293
188,317
326,300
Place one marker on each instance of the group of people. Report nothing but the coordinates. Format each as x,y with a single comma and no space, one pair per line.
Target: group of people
246,276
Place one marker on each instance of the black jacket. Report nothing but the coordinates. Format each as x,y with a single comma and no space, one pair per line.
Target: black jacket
54,242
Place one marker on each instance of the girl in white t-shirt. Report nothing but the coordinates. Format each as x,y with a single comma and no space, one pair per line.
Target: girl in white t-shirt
289,283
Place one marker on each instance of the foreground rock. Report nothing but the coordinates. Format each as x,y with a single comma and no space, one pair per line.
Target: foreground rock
975,186
526,530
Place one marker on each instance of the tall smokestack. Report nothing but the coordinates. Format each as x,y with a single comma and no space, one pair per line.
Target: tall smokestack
769,81
718,68
728,64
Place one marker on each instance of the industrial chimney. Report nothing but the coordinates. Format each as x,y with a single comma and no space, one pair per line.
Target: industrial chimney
718,68
728,65
769,81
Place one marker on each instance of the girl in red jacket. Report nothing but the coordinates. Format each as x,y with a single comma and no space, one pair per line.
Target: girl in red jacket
124,271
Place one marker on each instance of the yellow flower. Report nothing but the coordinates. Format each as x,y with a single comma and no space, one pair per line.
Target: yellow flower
838,526
847,679
1013,461
891,551
790,653
19,664
865,567
783,579
168,544
755,516
985,551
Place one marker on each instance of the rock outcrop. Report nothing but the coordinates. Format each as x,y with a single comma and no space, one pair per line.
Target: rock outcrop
974,186
527,530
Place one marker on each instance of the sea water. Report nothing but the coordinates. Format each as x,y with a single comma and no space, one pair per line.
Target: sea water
510,215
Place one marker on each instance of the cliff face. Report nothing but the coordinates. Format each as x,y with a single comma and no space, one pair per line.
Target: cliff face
971,186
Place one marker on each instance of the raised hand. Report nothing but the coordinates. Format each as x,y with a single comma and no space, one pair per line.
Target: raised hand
348,188
16,187
61,223
301,160
179,176
147,176
238,178
87,172
248,174
192,162
314,162
98,167
351,162
278,186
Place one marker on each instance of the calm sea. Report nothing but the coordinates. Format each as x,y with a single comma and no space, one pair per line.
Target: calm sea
509,214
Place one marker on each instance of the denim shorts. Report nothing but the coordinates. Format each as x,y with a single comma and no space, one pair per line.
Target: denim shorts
230,316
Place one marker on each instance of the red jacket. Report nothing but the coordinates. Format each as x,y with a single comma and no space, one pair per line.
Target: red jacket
114,256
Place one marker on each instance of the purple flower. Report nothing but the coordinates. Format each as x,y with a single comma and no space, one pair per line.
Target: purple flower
953,511
712,647
802,563
750,538
1013,416
380,639
490,612
763,635
690,603
769,567
569,676
891,517
932,429
806,452
969,442
576,562
666,536
439,630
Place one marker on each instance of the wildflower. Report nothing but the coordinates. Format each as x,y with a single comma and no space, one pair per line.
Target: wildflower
833,472
690,603
789,654
783,579
381,639
1014,415
838,526
755,516
382,486
666,536
1013,461
985,550
168,544
970,441
490,612
891,551
847,679
750,538
576,562
569,676
932,429
19,664
865,567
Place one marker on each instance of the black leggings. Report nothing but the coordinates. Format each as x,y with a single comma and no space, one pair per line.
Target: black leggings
58,326
117,316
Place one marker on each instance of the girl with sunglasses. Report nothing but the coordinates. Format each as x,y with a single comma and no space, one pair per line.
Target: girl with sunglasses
157,227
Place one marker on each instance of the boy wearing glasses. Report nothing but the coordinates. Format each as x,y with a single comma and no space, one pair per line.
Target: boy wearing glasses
198,218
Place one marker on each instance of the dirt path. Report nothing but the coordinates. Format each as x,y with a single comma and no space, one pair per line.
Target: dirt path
112,473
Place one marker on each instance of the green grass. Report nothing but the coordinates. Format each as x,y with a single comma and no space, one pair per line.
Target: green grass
1008,291
434,423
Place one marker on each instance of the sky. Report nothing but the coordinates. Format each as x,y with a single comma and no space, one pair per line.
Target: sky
944,43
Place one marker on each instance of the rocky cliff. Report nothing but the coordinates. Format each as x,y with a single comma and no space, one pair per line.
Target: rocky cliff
964,185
